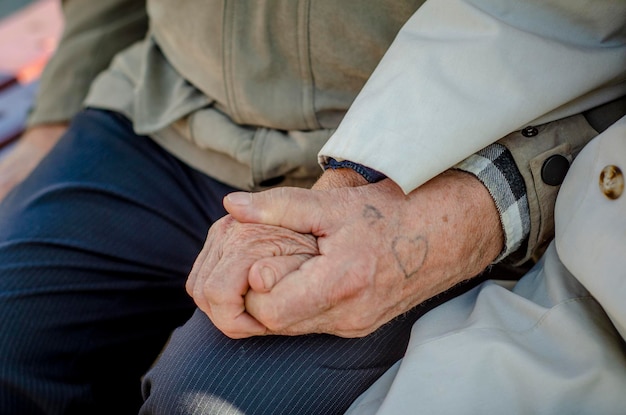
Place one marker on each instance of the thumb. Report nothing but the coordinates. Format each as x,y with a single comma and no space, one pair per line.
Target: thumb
300,210
267,272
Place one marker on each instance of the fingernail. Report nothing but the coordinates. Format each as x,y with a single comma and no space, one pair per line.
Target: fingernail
239,198
268,277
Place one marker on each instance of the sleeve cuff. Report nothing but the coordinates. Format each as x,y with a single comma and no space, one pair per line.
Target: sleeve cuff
371,175
495,168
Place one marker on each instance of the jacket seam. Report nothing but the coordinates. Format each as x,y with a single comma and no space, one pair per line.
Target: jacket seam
306,71
228,29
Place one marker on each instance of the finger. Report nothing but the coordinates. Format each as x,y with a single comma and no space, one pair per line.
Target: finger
198,264
210,253
267,272
223,302
324,295
299,296
242,326
223,288
220,278
300,210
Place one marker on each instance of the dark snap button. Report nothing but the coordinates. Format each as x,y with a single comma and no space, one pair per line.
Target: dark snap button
530,131
554,170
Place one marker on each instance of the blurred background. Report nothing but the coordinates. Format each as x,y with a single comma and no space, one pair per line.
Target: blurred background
29,33
9,6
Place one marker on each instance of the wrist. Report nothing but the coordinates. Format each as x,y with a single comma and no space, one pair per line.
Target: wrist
369,174
337,178
495,168
480,234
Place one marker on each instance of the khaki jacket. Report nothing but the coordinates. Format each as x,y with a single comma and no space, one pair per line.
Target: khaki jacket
245,91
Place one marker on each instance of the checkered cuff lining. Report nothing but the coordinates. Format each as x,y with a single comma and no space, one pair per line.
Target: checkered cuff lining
495,167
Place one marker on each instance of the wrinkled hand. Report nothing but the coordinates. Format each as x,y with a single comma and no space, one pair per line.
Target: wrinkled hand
218,281
32,146
380,252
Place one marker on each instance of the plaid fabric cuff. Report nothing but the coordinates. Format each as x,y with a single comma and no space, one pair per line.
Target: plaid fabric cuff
371,175
495,168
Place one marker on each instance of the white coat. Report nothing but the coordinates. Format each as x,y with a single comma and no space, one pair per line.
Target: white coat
460,75
551,344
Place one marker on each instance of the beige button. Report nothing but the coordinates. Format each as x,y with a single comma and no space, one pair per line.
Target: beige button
612,182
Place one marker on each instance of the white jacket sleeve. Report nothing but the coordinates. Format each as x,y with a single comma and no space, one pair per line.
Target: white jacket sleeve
463,73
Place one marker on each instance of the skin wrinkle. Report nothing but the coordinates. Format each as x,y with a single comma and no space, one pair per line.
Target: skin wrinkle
224,296
341,288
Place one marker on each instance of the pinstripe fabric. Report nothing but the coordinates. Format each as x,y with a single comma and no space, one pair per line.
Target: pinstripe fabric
94,250
203,372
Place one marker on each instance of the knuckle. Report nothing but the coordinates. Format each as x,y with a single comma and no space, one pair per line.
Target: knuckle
189,287
352,286
270,319
221,226
213,292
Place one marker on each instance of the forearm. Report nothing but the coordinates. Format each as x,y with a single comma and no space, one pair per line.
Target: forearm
464,203
496,178
465,232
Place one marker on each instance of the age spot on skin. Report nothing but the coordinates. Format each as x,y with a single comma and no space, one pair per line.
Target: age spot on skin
410,253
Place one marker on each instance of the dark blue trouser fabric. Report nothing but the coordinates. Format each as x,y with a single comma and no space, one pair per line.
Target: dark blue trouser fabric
95,247
94,250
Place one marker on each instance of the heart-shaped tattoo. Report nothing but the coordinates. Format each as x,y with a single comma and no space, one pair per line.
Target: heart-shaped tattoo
410,253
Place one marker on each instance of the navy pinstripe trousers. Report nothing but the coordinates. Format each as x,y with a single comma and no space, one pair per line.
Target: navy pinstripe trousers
95,247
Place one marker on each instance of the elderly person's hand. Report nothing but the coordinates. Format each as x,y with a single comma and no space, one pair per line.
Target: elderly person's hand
380,252
218,281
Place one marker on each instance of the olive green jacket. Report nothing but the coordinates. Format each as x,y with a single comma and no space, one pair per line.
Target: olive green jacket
245,91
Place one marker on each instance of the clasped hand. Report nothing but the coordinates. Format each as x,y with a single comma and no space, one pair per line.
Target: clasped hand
343,260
